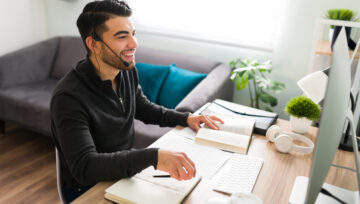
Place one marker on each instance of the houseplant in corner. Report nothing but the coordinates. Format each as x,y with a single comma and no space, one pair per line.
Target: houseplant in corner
343,15
302,111
253,74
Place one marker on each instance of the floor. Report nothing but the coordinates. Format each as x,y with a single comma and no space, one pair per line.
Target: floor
27,167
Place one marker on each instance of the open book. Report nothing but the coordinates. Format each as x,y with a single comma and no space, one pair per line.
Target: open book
144,188
263,119
234,135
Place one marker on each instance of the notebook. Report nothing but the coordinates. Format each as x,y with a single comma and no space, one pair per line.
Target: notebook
144,188
234,135
263,119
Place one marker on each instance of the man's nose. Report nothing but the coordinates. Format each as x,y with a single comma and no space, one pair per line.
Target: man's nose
132,42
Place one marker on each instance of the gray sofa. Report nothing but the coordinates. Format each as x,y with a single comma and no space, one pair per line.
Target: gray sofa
28,77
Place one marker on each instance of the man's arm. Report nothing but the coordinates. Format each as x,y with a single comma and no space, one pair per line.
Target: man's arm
71,130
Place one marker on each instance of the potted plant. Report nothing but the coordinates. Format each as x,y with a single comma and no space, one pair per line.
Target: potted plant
343,15
302,111
252,74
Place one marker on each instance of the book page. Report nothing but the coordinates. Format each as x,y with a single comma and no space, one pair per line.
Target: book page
170,183
237,125
222,137
199,154
134,190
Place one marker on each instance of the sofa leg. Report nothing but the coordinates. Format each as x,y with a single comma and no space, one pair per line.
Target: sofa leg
2,127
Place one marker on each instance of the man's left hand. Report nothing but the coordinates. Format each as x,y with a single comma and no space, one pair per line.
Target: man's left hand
194,121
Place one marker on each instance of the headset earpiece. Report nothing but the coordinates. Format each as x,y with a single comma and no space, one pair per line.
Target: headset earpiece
284,141
273,132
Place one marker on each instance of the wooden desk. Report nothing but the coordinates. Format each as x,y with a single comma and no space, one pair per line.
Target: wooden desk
276,177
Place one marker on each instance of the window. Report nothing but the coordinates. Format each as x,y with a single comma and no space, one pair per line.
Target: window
249,23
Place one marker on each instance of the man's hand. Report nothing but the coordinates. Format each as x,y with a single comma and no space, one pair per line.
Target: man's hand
177,164
194,121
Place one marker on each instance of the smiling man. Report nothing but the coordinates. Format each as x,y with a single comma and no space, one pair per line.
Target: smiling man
93,108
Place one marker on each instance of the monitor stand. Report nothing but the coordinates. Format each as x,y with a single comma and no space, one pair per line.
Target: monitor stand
299,190
298,193
346,141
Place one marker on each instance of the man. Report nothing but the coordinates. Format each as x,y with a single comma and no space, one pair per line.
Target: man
93,107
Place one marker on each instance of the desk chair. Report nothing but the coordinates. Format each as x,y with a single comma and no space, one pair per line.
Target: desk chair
60,186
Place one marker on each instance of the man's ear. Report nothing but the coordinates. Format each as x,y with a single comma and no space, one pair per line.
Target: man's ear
92,44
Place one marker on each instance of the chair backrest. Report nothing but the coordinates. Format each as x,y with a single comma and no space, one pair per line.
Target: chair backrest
60,186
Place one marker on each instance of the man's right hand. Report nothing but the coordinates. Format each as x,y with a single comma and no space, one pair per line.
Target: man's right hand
177,164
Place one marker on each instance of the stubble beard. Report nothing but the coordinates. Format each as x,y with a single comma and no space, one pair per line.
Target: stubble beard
111,59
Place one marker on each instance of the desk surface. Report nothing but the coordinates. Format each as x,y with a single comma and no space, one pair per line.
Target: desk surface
276,177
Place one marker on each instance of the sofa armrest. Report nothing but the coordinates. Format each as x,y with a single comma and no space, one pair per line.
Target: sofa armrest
217,84
28,64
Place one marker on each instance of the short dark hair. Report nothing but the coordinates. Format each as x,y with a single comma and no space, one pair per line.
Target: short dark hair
95,14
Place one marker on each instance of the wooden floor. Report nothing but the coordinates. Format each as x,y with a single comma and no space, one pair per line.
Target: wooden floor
27,167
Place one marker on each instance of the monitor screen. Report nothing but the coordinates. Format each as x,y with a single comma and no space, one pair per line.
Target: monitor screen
333,117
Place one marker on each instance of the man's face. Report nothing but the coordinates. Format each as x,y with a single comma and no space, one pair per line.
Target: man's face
120,37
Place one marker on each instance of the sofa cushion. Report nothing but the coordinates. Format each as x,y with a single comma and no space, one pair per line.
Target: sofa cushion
29,64
28,105
71,50
151,78
178,83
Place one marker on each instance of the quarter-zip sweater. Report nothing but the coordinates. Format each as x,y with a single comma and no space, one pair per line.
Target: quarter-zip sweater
93,125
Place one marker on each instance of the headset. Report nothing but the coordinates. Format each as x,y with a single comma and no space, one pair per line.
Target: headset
96,37
284,141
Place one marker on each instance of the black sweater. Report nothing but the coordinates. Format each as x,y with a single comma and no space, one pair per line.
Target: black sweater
94,132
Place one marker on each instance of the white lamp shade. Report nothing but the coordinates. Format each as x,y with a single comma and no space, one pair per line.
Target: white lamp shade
314,86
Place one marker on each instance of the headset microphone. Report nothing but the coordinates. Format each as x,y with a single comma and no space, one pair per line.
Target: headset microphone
126,64
97,38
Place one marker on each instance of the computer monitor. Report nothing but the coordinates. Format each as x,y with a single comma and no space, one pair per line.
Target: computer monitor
335,112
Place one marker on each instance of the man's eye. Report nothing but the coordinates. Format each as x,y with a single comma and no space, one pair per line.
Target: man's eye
121,37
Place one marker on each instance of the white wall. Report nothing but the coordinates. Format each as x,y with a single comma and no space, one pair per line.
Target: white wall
62,15
22,23
290,56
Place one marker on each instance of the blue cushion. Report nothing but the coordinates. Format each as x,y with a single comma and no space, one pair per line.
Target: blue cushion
151,78
177,85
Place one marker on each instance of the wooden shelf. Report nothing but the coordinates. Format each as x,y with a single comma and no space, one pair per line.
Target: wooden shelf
323,48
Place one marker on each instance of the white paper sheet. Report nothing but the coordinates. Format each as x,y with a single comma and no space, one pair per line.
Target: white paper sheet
208,160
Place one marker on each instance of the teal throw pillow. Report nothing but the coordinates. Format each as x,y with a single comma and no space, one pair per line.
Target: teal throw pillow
151,78
177,85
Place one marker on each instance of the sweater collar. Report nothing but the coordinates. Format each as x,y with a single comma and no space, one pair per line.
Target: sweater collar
85,67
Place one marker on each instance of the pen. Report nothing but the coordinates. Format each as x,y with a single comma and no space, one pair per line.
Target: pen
161,176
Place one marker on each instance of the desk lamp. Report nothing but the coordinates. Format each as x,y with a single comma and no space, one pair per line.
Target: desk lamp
314,86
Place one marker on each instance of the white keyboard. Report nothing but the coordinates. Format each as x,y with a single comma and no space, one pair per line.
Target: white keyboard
239,174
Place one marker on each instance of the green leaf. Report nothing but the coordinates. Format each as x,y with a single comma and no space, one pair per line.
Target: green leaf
268,109
267,98
250,69
242,81
301,106
233,75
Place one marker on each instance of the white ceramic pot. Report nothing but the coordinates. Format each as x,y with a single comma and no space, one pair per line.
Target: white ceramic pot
299,125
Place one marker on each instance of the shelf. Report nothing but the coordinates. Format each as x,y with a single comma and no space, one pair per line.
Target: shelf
323,48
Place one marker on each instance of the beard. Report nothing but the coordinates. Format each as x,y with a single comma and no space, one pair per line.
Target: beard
109,57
